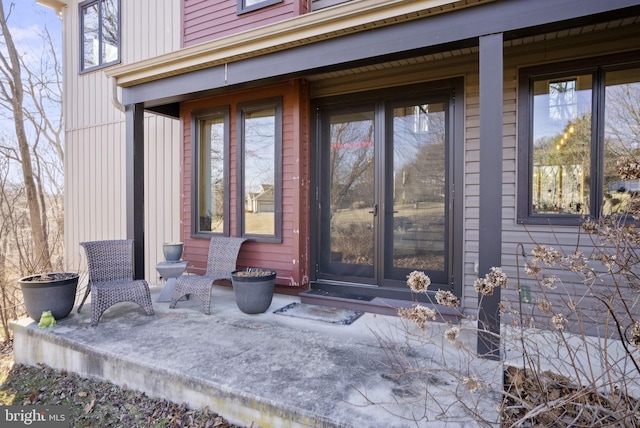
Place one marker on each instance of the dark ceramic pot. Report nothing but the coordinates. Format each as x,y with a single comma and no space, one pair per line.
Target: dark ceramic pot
55,292
253,291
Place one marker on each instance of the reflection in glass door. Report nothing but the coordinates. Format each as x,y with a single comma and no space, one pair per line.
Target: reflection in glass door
416,219
348,196
384,191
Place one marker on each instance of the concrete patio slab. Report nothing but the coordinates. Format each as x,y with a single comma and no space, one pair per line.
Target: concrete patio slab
268,370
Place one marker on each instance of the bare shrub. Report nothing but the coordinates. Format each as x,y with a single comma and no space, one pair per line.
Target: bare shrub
571,349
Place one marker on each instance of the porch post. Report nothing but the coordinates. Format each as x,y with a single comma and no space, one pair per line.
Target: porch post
490,234
134,114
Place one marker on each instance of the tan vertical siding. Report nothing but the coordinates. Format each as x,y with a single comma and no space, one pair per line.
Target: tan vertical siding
95,180
206,20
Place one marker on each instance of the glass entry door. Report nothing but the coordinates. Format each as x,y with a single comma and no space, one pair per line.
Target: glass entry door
384,191
348,201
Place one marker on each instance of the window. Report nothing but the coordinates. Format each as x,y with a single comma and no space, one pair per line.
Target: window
100,32
575,121
212,172
260,170
245,6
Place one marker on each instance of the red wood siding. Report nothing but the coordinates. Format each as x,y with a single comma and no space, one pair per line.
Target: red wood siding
291,257
205,20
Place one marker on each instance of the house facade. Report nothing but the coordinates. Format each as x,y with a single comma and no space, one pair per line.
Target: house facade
96,178
384,136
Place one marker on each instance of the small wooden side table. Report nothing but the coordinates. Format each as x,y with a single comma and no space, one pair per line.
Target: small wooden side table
169,271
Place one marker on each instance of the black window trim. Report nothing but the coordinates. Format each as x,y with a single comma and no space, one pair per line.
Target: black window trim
241,108
597,67
242,9
197,117
81,7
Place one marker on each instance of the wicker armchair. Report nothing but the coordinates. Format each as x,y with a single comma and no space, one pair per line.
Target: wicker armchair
111,278
221,261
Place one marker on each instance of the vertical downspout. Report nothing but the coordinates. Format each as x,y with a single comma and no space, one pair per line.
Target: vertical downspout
134,164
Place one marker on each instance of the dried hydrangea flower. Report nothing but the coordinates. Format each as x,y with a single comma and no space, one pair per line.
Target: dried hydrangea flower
532,269
472,383
609,260
483,287
548,255
550,282
418,314
502,308
495,278
635,335
632,235
418,281
447,298
577,262
590,226
545,306
559,321
452,334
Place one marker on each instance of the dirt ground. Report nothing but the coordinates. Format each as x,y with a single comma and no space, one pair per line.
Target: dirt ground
94,403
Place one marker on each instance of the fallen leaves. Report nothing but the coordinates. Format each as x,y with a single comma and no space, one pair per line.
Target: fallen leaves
96,403
542,399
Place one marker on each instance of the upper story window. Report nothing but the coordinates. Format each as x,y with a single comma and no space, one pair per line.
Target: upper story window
100,34
212,171
260,170
576,121
245,6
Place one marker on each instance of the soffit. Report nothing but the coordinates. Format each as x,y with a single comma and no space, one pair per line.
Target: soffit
393,66
347,18
56,5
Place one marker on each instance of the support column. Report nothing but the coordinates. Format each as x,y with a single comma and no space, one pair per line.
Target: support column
490,236
134,114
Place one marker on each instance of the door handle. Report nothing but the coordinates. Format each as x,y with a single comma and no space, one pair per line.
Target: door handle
375,210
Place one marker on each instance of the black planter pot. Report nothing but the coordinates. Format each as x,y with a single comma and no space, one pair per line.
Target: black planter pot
253,293
55,292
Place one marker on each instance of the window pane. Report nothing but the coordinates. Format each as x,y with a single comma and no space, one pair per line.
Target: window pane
419,178
562,145
109,35
90,36
211,175
248,3
100,33
621,135
351,176
259,171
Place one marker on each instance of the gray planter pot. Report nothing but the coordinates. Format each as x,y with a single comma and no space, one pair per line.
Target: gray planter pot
253,293
172,251
55,292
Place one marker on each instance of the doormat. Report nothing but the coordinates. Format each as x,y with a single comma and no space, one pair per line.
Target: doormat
320,313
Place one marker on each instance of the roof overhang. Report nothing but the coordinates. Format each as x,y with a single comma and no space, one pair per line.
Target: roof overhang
56,5
337,21
350,34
